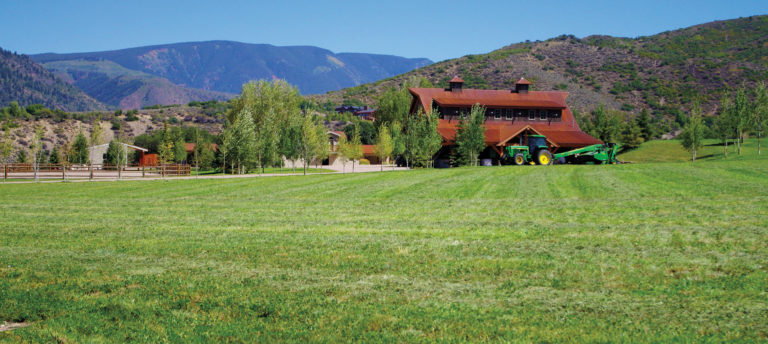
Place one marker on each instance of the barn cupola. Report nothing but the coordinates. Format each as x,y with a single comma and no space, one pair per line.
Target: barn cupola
521,86
455,84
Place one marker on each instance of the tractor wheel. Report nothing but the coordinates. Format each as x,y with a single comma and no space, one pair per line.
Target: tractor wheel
519,159
544,157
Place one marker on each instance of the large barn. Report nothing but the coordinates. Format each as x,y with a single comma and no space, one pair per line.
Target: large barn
510,115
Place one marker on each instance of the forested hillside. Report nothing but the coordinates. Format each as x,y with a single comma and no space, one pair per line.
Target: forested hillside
663,73
225,66
24,81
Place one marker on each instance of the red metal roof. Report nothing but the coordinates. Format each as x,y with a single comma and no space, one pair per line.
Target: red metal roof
369,149
522,81
490,98
456,79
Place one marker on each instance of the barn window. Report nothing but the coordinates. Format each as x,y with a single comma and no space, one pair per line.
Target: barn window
497,113
508,114
543,115
531,115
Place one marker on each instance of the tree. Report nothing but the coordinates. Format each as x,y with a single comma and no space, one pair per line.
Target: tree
384,145
79,150
97,133
165,149
398,139
723,126
22,156
470,136
6,148
321,144
355,149
606,126
646,129
55,157
342,148
290,140
113,153
393,106
37,146
307,148
632,133
422,140
740,115
268,141
760,112
693,132
365,129
241,142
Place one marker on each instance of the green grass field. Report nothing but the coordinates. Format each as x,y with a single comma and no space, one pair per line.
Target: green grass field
655,252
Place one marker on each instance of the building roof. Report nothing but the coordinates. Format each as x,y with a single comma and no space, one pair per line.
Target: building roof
124,144
522,81
499,134
489,98
369,149
456,79
190,147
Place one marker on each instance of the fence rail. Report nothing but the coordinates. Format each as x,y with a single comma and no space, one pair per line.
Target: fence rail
91,171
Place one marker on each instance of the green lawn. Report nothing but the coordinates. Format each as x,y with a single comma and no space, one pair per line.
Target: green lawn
270,170
635,252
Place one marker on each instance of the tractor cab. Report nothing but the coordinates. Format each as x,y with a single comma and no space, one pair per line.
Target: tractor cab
536,142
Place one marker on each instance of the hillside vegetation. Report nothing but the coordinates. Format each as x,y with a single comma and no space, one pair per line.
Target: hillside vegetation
663,73
642,253
26,82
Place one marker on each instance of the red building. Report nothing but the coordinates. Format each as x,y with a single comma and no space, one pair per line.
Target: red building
510,115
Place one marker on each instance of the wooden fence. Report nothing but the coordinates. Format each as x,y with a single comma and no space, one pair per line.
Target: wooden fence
91,171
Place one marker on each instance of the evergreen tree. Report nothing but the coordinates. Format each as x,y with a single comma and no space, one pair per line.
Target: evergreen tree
646,128
607,126
55,157
632,134
79,150
384,145
22,156
113,153
693,132
470,136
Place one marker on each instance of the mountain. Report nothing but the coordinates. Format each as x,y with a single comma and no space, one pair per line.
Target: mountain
663,73
124,88
224,66
26,82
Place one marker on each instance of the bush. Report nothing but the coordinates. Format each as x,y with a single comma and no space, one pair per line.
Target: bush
364,161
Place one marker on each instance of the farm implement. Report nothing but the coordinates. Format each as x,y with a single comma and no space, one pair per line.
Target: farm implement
537,152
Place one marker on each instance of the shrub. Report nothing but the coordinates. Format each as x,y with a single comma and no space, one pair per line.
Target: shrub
364,161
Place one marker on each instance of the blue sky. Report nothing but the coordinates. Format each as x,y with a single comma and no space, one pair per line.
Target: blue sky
437,30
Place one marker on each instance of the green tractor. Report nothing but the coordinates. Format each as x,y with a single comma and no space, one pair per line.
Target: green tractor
536,151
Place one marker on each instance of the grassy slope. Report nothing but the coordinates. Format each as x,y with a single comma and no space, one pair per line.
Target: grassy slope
654,252
673,151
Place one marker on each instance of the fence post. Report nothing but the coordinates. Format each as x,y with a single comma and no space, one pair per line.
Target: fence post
142,171
90,169
5,173
63,171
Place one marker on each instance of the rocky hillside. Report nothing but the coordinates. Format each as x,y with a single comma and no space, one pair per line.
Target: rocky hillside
26,82
224,66
663,73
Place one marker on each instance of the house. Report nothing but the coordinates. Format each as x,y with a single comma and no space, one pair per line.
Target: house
362,112
510,115
97,154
